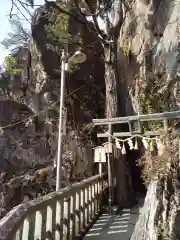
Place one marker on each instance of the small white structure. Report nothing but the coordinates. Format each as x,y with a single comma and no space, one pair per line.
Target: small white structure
99,157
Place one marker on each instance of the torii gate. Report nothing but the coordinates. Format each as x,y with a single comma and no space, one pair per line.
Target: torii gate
138,119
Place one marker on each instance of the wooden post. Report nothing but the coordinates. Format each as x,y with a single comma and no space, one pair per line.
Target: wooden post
73,224
25,233
130,127
91,201
18,235
110,182
140,130
100,169
62,218
166,130
40,223
166,125
179,151
58,220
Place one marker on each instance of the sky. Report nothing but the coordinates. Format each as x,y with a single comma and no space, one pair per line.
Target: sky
5,7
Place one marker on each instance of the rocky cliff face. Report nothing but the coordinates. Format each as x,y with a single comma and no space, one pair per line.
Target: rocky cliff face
84,86
149,55
149,70
32,143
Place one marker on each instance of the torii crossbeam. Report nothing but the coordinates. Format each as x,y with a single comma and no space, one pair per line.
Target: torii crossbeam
138,119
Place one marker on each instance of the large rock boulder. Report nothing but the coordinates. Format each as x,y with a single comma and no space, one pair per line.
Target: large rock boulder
149,70
149,56
32,143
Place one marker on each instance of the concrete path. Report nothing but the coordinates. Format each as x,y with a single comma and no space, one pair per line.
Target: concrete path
114,227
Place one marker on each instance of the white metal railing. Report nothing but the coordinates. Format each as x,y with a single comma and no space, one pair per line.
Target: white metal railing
58,215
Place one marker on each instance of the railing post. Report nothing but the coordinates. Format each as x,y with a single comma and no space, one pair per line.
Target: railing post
88,205
39,224
18,235
84,208
67,218
79,211
26,228
58,221
96,197
59,216
101,189
93,199
73,216
51,220
91,203
98,193
62,219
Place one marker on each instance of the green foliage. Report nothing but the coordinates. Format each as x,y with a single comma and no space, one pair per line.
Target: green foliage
10,64
126,46
9,42
152,100
58,29
17,37
156,165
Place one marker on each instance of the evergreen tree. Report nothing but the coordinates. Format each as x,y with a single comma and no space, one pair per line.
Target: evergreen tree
17,37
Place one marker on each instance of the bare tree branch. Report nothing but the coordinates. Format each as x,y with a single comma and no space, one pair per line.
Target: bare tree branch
19,18
14,4
94,17
25,8
82,14
90,14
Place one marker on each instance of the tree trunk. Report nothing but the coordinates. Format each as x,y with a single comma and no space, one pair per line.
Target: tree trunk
112,21
123,189
111,91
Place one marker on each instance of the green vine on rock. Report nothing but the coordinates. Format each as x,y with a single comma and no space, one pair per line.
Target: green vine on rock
59,30
152,100
160,166
11,66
